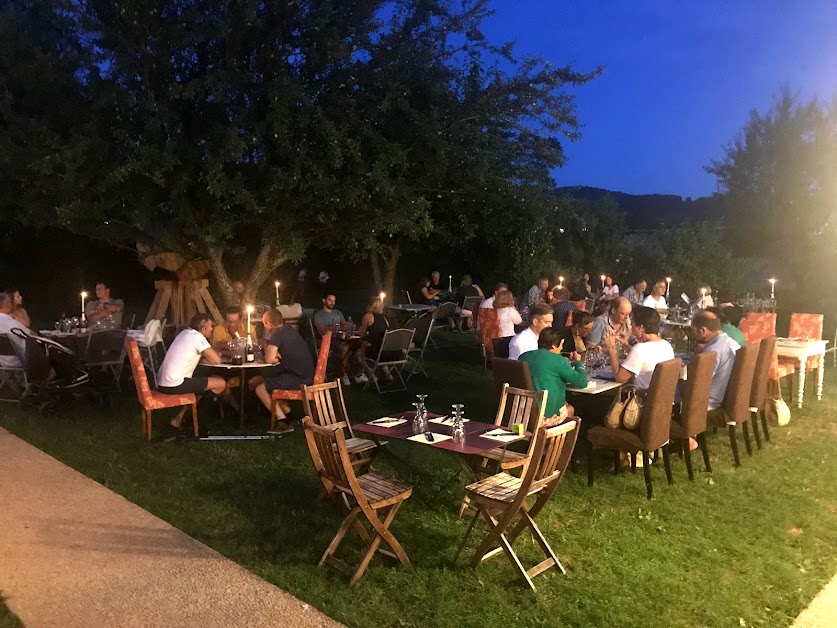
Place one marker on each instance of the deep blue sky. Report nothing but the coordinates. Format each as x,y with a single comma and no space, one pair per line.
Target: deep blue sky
681,77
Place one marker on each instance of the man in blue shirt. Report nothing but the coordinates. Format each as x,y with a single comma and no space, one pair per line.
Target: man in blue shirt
707,330
561,307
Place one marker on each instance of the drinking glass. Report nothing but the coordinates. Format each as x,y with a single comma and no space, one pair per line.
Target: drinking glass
418,422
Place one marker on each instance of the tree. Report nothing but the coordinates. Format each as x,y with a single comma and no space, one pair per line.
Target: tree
779,185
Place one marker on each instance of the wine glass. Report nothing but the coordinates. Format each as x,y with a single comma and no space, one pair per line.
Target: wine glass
418,420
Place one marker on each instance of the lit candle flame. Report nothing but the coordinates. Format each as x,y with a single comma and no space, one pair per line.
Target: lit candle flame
382,295
277,284
250,309
83,294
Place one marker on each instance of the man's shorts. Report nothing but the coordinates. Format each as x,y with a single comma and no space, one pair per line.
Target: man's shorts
190,385
284,381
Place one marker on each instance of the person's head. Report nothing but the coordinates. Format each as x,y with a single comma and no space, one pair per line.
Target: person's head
232,319
644,322
202,322
466,280
435,276
540,317
560,294
543,284
500,287
375,305
586,277
608,280
640,286
733,314
329,301
5,303
238,286
705,326
582,323
102,291
550,339
659,288
504,299
17,298
272,319
424,282
719,312
619,311
703,287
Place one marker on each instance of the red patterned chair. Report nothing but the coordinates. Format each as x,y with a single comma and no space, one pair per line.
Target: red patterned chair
805,326
296,395
488,328
151,400
757,326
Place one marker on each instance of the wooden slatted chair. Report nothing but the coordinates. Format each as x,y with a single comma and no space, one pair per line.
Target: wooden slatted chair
758,392
654,428
297,395
502,497
694,403
151,400
325,405
735,409
357,496
516,406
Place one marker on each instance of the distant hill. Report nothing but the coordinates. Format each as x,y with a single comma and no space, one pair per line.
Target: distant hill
647,211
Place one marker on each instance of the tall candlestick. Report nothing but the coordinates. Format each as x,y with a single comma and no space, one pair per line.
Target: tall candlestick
382,296
702,298
249,311
603,286
772,288
450,283
83,297
668,287
276,285
560,282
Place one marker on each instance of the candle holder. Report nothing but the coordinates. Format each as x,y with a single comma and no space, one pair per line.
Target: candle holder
276,285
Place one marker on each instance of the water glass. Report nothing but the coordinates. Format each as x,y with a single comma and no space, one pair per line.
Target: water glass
419,424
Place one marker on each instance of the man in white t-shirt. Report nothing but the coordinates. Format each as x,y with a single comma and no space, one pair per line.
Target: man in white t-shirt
189,348
540,316
657,299
649,351
7,324
489,302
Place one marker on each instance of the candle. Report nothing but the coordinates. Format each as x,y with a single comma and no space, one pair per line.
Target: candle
382,296
772,288
603,278
276,285
450,283
250,309
560,282
83,297
702,298
668,286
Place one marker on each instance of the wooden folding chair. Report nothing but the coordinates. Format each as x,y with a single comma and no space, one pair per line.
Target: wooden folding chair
502,497
325,405
355,495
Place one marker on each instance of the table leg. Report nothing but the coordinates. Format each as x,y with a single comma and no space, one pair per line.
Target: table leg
820,373
243,381
801,388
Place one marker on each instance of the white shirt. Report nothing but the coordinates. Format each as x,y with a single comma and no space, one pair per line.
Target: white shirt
523,342
182,357
488,303
611,292
7,323
642,359
650,301
509,317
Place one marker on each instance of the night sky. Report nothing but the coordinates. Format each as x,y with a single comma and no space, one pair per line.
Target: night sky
681,77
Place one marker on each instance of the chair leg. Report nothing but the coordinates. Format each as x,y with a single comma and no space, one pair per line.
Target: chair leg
615,462
756,434
687,456
143,421
646,470
763,415
467,534
734,443
148,424
195,418
701,439
745,429
667,464
273,405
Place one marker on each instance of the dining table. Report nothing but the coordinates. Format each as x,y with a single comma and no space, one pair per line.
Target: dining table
74,341
243,371
799,350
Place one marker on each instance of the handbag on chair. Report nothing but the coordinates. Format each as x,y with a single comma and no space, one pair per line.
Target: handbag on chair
625,411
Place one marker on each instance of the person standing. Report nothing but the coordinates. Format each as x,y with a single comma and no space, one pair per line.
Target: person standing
540,316
103,310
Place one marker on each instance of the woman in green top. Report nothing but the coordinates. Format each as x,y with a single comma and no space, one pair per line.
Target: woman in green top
553,372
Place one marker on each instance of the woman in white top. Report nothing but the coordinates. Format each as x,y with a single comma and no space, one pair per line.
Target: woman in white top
507,313
610,291
703,297
649,351
657,299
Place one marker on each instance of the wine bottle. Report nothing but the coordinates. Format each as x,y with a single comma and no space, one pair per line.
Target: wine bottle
251,354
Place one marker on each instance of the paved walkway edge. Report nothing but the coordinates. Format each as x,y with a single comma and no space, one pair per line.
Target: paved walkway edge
822,611
74,553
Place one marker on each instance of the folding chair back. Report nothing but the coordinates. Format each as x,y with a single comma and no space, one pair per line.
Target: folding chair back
471,303
324,446
7,349
106,350
521,406
325,405
551,455
422,326
445,312
394,347
409,296
13,376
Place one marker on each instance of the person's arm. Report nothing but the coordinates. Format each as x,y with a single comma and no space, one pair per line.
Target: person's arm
210,356
95,313
514,316
596,335
115,306
322,328
271,354
365,322
573,373
482,296
23,316
624,372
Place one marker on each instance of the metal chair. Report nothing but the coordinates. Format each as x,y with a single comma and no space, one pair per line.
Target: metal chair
423,327
470,304
12,373
106,351
393,354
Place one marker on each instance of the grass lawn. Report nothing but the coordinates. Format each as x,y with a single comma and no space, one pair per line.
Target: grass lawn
7,618
735,548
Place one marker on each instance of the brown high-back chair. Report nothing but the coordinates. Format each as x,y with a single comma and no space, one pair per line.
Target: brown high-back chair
758,392
654,427
694,393
735,410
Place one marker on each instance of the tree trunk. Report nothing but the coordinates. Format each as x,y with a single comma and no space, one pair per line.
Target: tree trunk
269,259
390,255
376,271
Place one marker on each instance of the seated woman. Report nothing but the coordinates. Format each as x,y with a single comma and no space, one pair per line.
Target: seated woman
574,335
649,351
610,290
552,372
18,311
426,294
507,313
373,326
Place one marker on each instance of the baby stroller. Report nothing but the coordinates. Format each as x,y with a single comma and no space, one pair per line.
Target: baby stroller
52,374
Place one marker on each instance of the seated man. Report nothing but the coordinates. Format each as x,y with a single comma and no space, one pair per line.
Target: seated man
727,315
187,350
615,321
103,310
489,302
232,328
636,293
536,293
552,372
331,319
708,333
285,345
561,307
540,316
7,324
467,289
